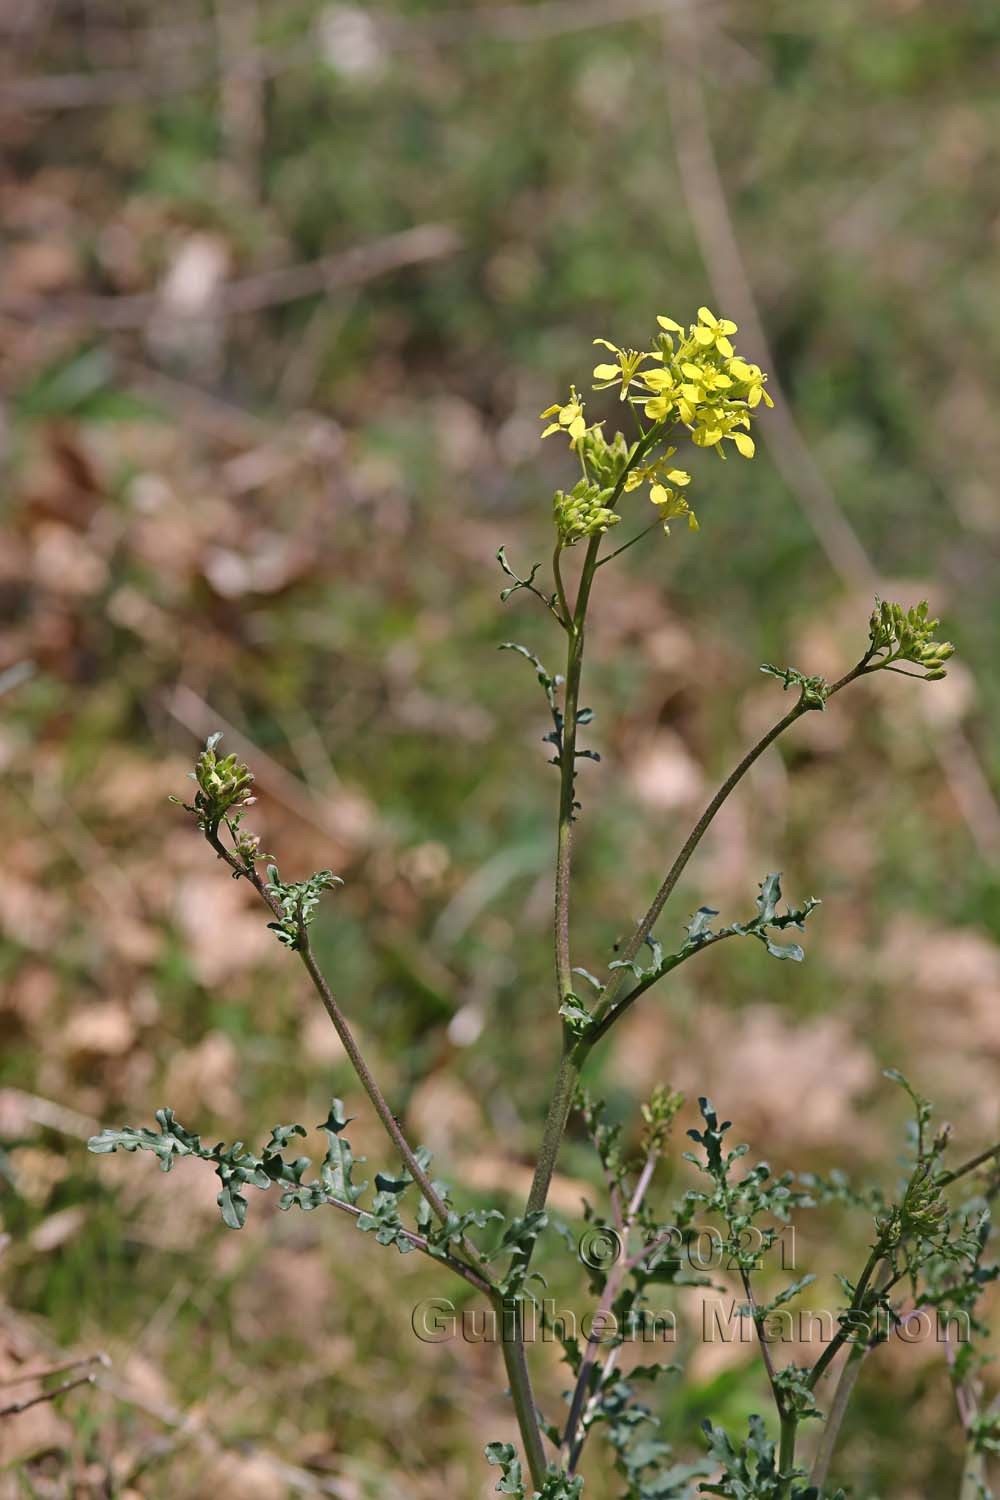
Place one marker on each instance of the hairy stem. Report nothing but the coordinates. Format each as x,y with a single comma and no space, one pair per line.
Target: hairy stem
969,1166
851,1368
565,613
835,1416
973,1485
765,1348
673,962
575,1434
567,774
568,1075
516,1364
786,1452
694,838
844,1332
367,1081
606,1012
691,843
610,556
419,1242
343,1030
573,1056
555,1125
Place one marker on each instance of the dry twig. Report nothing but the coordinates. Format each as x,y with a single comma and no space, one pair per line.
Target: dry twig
362,263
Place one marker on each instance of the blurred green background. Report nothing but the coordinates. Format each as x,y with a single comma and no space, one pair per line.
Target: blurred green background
283,290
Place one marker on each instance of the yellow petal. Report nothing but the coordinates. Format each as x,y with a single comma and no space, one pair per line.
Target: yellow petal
724,347
704,336
678,476
740,370
605,345
726,325
767,399
692,393
606,372
552,427
657,380
568,412
744,443
659,495
707,437
753,398
577,428
549,411
695,372
669,325
707,316
692,521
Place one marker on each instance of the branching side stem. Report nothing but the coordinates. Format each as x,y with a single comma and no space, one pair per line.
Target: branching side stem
513,1348
606,1012
364,1074
343,1030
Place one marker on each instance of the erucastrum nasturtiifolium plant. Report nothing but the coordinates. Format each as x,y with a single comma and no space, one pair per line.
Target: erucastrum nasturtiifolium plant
927,1241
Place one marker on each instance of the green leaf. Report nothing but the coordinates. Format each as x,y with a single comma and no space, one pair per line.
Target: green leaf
640,971
520,583
700,925
504,1456
576,1016
699,929
814,690
770,895
793,951
590,978
173,1141
298,901
549,683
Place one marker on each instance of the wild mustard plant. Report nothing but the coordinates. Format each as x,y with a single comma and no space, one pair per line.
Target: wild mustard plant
928,1239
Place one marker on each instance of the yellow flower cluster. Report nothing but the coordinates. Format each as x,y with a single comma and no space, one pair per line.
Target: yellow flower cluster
692,380
698,379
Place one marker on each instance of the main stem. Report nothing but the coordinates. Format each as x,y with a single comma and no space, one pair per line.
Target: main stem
786,1453
569,1068
574,1051
516,1364
567,771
